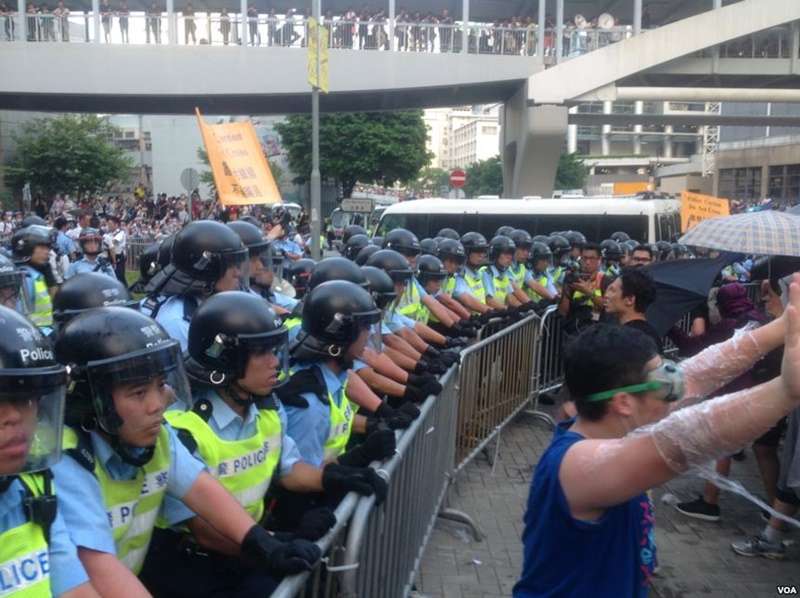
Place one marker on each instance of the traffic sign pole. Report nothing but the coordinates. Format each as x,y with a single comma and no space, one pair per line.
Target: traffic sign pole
316,179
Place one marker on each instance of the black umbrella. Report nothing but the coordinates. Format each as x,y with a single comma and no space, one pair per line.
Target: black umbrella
681,286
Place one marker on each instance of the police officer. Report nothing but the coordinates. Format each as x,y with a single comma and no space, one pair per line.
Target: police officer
520,273
122,460
454,256
352,230
91,243
298,275
12,283
261,266
291,250
237,428
612,257
501,291
541,262
87,291
476,248
30,248
337,316
432,277
428,247
37,555
363,255
355,244
562,259
576,243
206,257
449,233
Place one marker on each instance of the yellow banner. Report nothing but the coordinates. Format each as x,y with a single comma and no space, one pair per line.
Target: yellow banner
240,168
321,81
696,208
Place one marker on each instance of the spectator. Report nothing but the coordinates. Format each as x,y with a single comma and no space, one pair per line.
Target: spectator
628,297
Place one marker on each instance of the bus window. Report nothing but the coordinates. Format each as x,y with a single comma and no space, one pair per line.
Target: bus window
667,226
437,222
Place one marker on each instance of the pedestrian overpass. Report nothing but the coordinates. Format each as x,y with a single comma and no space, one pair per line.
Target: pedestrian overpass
172,79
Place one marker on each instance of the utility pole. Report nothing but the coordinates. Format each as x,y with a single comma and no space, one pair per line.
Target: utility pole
316,181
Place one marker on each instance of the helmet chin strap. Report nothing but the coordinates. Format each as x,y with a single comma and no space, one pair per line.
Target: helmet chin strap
230,393
130,455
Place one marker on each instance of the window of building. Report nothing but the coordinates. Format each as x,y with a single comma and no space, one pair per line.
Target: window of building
784,183
740,183
489,130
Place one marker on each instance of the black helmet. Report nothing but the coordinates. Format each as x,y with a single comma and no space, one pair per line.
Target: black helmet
355,244
25,240
403,241
452,249
540,251
449,233
558,245
148,263
364,254
334,314
522,239
430,267
115,346
541,239
620,237
500,245
474,243
251,237
298,274
351,230
336,268
225,331
11,285
575,239
377,241
631,244
504,231
90,234
680,251
87,291
29,374
664,249
428,247
33,219
381,286
610,250
393,263
205,249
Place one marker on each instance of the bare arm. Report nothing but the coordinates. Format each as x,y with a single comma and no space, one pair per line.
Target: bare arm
84,590
454,306
401,345
361,394
429,335
540,290
302,478
208,537
412,338
109,576
380,383
384,365
471,302
212,502
438,310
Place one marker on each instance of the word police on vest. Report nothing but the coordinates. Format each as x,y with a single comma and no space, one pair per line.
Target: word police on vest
18,574
243,463
37,354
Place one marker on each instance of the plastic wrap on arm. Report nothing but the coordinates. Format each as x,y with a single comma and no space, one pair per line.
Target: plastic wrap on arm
722,363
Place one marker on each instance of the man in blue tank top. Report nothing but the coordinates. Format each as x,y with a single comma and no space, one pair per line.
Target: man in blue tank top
589,524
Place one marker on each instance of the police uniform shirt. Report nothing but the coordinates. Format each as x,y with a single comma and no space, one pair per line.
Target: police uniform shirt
288,246
550,286
171,318
310,427
80,498
461,281
528,274
397,321
65,245
284,301
490,274
82,266
229,425
461,287
65,568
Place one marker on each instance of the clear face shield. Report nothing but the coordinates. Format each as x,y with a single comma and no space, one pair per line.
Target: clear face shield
260,345
13,294
667,380
152,374
235,268
31,419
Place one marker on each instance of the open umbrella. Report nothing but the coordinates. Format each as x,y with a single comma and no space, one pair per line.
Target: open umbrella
754,233
681,286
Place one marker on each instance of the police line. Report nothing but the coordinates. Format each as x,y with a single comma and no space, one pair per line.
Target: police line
375,551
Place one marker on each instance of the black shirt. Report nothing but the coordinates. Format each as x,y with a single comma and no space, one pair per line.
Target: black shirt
644,326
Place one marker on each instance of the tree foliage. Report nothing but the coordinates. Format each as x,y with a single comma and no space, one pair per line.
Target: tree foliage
67,154
484,177
571,173
430,181
367,147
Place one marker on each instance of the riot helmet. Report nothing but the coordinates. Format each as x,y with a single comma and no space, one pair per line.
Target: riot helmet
351,230
25,241
504,231
260,269
449,233
298,274
88,291
620,237
90,241
363,255
430,268
539,252
522,239
393,263
336,268
452,249
403,241
500,245
381,286
611,250
355,244
12,286
428,247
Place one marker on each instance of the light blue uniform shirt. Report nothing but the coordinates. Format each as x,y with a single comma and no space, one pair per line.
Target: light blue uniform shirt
65,245
228,425
397,321
170,316
285,301
80,498
66,570
287,246
82,266
488,281
310,427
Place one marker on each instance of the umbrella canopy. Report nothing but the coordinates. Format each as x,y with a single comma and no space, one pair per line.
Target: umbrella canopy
681,286
754,233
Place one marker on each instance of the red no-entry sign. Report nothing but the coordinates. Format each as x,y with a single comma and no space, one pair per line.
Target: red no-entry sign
458,178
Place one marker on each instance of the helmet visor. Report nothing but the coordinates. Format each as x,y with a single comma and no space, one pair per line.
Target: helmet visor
13,293
32,412
355,323
258,345
155,373
234,271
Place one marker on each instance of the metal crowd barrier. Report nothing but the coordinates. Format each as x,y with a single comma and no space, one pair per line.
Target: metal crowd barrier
133,251
551,363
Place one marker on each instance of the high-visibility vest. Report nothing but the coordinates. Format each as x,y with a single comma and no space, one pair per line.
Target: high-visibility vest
292,322
449,285
500,283
518,272
25,554
244,467
410,304
42,309
539,279
132,505
475,284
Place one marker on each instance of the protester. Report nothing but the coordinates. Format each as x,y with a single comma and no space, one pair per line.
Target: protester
628,297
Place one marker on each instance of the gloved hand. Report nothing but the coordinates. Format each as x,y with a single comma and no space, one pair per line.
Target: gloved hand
410,409
395,419
340,479
432,388
476,319
437,367
451,357
260,549
431,352
379,445
456,341
316,522
466,330
423,365
414,394
527,307
421,380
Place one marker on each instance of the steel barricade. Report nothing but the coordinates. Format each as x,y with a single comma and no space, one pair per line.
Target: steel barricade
496,381
385,544
551,357
133,251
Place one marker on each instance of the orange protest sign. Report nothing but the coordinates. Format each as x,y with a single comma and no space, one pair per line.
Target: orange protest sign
241,172
696,207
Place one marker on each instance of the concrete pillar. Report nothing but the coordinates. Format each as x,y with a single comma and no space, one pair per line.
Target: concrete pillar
764,191
668,130
794,56
715,51
559,30
605,138
540,29
172,25
638,108
245,29
637,17
96,20
465,27
572,134
392,17
22,22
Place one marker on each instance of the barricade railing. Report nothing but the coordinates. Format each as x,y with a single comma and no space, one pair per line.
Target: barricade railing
550,370
133,251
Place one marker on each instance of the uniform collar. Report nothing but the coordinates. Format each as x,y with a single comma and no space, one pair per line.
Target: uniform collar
223,415
111,462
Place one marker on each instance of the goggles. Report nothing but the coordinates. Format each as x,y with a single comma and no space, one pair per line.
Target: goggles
668,376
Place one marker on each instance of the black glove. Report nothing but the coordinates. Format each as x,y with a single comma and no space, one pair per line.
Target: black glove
450,357
527,307
414,394
476,319
410,409
262,550
316,522
421,380
437,367
455,341
432,388
431,352
422,366
378,446
395,419
466,330
340,479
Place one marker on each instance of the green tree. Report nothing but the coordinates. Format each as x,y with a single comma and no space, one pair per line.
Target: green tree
431,180
571,173
67,154
484,177
367,147
207,177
